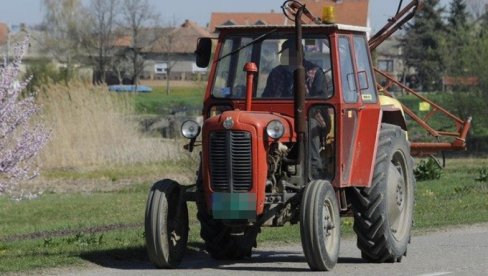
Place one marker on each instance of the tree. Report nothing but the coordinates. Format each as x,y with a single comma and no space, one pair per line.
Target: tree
62,21
458,14
137,16
423,44
459,36
99,36
167,41
21,138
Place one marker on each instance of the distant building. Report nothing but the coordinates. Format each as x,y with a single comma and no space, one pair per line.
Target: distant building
388,57
350,12
10,37
174,50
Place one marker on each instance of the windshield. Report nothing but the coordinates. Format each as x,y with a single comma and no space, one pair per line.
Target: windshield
275,58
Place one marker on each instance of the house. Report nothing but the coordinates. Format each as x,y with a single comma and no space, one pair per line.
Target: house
350,12
388,59
174,52
11,37
4,30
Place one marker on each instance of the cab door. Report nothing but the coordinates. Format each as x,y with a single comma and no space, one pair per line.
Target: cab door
359,115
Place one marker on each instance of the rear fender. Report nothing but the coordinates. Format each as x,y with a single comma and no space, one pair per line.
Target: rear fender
392,112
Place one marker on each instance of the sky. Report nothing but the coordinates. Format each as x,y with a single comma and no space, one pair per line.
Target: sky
31,12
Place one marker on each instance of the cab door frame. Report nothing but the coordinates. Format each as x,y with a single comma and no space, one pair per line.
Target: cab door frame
359,116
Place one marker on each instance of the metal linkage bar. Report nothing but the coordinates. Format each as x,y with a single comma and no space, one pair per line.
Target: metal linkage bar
394,23
422,148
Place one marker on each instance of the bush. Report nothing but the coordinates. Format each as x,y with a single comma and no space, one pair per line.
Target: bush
41,73
428,170
483,175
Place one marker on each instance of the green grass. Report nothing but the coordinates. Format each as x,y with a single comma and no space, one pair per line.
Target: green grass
180,98
134,171
456,198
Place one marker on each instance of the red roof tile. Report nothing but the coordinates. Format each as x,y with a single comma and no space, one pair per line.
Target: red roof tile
351,12
3,33
182,39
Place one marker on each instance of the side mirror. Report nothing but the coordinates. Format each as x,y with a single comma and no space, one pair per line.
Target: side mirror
203,51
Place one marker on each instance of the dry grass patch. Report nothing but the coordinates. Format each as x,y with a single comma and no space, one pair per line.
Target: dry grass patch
93,127
94,130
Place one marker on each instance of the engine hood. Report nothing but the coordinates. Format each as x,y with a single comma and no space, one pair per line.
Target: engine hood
256,120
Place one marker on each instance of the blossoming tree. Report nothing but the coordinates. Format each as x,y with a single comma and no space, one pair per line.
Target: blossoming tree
21,135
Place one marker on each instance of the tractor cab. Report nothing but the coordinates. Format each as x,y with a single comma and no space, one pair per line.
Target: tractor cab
339,94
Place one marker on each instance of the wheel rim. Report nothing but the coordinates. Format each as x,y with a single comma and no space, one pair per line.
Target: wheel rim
398,196
329,224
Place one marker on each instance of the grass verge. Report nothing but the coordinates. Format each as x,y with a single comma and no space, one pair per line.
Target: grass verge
28,242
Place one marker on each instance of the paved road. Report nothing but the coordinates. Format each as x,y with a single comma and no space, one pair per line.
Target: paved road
457,251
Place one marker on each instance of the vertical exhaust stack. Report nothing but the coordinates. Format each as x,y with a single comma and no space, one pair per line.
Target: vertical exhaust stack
299,92
250,69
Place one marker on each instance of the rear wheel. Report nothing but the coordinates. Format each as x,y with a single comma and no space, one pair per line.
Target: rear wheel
383,213
320,225
166,224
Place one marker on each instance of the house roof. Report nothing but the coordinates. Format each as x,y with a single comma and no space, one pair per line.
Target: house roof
236,18
350,12
182,39
3,33
123,41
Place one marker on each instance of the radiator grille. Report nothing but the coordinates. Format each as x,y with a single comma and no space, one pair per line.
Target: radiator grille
230,161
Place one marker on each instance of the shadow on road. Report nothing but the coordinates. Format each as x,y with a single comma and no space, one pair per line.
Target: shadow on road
135,258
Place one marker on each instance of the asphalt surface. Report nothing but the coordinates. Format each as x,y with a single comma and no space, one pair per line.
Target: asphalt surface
456,251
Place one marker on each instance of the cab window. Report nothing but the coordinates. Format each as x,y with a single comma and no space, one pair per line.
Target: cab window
230,79
278,62
365,75
348,79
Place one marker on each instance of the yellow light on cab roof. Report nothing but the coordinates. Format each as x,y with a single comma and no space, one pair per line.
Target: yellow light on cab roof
328,14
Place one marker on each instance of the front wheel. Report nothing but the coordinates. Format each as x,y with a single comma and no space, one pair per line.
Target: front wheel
166,224
320,225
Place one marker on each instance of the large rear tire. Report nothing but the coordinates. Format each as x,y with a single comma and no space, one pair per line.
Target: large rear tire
320,225
166,224
383,213
221,242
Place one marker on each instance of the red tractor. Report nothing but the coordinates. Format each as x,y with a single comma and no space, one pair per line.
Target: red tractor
295,131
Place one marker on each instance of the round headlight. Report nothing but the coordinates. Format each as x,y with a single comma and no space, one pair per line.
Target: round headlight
275,129
190,129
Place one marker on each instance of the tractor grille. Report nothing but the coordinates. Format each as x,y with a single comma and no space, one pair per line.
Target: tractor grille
230,161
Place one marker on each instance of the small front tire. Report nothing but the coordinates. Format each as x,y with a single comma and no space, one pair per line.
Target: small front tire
166,224
320,225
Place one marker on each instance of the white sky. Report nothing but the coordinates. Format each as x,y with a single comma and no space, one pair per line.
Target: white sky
30,11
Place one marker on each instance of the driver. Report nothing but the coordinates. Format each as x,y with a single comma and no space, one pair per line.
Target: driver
280,79
280,84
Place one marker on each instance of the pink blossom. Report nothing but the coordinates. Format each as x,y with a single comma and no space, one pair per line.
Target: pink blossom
21,139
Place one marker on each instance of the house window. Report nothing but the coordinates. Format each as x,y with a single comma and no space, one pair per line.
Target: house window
160,68
385,65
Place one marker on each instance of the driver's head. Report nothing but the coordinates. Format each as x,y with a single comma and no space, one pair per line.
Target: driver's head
288,52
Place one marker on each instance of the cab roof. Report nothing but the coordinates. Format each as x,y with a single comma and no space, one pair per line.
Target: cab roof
342,27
